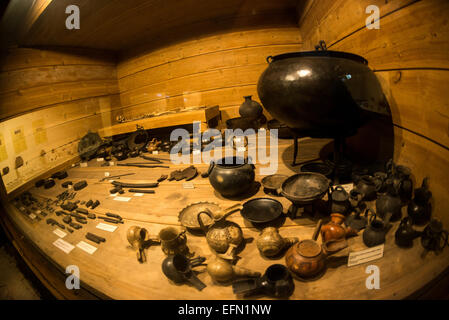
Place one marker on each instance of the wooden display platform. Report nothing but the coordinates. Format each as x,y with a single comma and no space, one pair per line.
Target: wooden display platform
176,119
113,270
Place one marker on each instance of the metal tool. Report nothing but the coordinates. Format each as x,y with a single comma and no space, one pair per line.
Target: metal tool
140,165
117,176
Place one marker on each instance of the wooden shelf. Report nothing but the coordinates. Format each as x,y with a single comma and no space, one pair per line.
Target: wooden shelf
113,271
169,120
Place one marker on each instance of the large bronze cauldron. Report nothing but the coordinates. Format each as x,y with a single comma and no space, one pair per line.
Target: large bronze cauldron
321,93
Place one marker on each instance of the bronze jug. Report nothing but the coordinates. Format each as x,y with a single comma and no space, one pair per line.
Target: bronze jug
222,270
420,208
334,230
376,231
223,236
405,234
270,242
340,201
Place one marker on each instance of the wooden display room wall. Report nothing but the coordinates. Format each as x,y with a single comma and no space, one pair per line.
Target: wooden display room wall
49,99
410,56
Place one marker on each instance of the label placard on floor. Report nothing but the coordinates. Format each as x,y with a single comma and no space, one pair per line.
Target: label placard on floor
188,185
123,199
138,194
363,256
59,233
106,227
63,245
86,247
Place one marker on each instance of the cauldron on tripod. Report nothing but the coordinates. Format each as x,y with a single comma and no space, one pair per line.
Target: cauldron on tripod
322,94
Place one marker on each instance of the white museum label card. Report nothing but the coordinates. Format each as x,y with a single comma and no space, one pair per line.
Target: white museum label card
83,164
155,152
188,185
106,227
86,247
63,245
363,256
32,216
59,233
123,199
138,194
100,159
107,174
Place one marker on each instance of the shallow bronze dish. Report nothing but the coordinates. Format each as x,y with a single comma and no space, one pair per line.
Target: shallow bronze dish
189,215
261,210
304,188
317,167
273,183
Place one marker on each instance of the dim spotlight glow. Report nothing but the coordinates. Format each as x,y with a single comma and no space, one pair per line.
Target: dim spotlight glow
304,73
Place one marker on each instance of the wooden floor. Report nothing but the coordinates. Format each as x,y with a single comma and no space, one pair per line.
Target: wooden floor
113,270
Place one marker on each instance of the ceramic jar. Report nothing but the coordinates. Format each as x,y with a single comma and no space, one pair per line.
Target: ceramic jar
231,176
250,109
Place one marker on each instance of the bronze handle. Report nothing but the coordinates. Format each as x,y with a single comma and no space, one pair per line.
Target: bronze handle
317,229
200,221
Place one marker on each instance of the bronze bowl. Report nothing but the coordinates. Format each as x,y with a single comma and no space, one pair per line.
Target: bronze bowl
305,187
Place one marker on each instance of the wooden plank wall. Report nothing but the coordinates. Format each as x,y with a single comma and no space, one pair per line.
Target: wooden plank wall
211,70
49,99
410,56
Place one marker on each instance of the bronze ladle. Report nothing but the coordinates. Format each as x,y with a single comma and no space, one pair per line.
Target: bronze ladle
140,239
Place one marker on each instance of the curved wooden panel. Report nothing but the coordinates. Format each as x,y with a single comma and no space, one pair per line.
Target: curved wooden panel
41,76
209,80
20,58
140,59
212,70
332,20
198,64
417,36
410,52
51,98
25,100
418,101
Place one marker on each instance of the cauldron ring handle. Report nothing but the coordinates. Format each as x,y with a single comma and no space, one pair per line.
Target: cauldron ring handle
321,45
269,59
